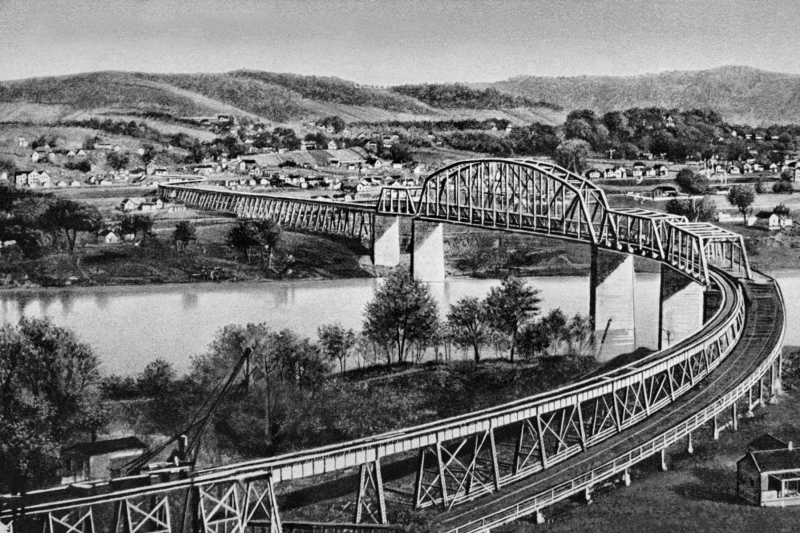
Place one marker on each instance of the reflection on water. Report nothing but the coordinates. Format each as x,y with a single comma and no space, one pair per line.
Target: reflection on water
130,326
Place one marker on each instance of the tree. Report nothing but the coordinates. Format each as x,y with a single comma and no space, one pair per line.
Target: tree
72,218
467,321
742,197
156,378
555,327
580,333
401,313
782,187
118,160
47,382
336,343
691,183
510,306
242,238
135,224
533,339
694,210
781,210
185,232
268,234
149,153
572,155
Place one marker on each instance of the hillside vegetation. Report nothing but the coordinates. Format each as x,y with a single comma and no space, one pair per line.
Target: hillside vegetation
456,95
739,94
281,98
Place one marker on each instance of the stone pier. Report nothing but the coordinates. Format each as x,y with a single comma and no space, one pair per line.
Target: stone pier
681,312
611,303
386,241
427,252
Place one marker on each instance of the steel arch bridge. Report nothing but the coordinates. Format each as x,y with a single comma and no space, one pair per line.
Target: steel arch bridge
542,198
465,457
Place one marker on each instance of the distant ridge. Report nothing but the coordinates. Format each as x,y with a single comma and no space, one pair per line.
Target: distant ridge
278,98
740,94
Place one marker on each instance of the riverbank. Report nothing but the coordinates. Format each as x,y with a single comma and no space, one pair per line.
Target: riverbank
154,260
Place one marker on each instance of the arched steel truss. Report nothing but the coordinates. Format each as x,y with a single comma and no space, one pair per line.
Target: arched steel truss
542,198
463,457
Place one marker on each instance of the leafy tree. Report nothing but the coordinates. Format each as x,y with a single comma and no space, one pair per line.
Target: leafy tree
510,306
268,234
533,339
149,153
401,313
694,210
7,165
156,378
118,160
572,155
691,183
336,343
135,224
81,166
47,379
242,238
72,218
781,210
468,324
742,197
555,327
580,334
185,232
782,187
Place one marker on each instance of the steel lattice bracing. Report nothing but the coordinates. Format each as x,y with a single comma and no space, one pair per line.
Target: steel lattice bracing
462,457
539,198
320,216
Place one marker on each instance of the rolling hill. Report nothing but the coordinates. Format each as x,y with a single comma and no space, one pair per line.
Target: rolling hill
276,98
739,94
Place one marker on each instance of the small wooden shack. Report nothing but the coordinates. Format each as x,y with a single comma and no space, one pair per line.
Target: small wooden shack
769,475
99,459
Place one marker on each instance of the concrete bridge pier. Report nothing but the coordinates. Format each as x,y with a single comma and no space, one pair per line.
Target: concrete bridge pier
427,251
681,308
386,241
611,303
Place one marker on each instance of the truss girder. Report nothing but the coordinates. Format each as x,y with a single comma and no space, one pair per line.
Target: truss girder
234,506
553,434
144,515
370,500
328,217
456,472
80,520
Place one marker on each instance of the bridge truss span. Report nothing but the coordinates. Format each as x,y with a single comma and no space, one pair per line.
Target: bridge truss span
464,457
540,198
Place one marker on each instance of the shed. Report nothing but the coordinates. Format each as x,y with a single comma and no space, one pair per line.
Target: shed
769,475
99,459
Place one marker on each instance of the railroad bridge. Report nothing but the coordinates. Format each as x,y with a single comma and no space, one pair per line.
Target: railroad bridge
487,468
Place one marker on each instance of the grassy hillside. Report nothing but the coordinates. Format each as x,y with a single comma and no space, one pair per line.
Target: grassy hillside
277,98
739,94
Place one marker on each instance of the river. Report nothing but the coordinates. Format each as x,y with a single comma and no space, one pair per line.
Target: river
130,326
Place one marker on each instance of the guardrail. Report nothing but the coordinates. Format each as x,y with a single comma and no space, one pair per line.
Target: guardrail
620,464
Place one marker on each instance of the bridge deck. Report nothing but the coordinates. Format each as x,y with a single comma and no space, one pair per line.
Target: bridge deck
763,332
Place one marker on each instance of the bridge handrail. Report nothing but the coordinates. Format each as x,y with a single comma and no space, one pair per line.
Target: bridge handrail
618,464
302,463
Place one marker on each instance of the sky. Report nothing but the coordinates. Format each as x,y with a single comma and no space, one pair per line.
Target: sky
388,42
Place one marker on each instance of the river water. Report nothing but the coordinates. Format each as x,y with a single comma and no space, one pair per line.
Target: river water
130,326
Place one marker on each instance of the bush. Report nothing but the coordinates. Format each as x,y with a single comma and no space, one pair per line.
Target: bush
783,187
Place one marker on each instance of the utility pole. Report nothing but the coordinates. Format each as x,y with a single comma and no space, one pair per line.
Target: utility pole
611,153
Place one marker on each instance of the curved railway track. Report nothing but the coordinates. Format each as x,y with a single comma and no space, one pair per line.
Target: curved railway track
564,441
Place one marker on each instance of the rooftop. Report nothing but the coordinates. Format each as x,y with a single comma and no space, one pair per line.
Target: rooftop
102,447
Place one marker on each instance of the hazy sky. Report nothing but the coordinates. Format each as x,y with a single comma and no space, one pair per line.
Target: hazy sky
397,41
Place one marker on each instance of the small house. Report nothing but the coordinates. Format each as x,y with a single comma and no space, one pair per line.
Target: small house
109,237
127,205
98,460
661,170
766,219
593,174
75,183
769,475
